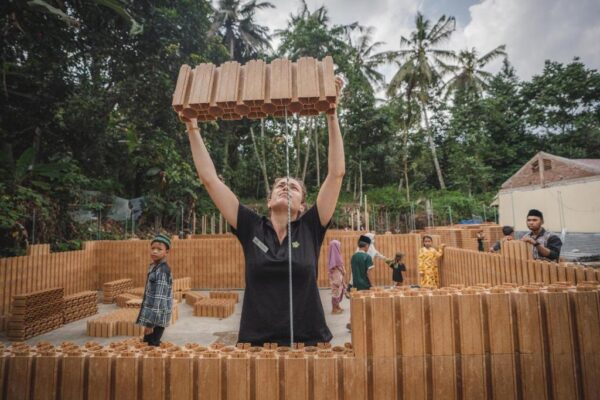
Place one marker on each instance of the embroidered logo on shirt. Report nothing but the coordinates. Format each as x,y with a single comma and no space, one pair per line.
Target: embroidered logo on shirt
260,244
295,245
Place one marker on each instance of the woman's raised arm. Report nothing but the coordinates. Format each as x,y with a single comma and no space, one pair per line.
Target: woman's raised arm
219,192
336,168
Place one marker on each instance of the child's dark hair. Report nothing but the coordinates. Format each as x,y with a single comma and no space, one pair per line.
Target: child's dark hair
362,245
507,230
399,256
427,237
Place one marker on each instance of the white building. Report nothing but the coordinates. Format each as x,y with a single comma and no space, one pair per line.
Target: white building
566,190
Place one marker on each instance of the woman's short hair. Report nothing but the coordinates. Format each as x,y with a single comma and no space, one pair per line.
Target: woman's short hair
302,186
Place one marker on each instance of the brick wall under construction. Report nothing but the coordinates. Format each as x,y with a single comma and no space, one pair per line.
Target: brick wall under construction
530,342
210,263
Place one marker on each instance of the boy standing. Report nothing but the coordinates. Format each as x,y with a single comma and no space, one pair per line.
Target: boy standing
362,265
157,304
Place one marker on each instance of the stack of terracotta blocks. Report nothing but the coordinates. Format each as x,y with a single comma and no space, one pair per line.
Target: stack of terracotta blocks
121,323
225,295
138,291
472,267
504,342
114,288
192,297
255,90
122,299
130,369
35,313
134,303
182,284
218,308
80,305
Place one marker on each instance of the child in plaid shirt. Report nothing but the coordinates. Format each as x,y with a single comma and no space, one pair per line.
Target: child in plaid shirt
155,313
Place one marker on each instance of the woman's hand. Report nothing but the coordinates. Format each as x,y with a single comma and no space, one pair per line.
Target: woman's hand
148,330
339,87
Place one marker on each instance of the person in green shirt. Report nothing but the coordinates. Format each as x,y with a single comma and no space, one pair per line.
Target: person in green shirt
362,265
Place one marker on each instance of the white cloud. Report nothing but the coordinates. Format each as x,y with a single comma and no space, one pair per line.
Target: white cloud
533,30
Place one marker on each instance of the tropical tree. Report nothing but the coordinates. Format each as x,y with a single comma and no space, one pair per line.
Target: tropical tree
364,56
419,61
469,76
236,23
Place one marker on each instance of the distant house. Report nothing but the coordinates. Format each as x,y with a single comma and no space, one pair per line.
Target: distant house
566,190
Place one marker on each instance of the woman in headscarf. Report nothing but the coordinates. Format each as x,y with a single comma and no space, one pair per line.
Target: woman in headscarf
336,276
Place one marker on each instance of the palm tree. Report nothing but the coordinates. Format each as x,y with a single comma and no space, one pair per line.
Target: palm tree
364,56
469,76
236,24
308,34
418,62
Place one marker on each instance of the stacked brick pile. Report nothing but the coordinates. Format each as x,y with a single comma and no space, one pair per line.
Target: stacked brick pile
122,299
232,91
219,308
35,313
121,323
182,284
192,297
80,305
225,295
134,303
138,291
131,369
114,288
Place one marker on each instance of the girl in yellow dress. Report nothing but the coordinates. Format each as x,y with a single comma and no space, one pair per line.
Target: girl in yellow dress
428,262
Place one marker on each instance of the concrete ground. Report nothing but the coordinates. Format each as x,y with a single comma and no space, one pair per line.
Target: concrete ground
190,329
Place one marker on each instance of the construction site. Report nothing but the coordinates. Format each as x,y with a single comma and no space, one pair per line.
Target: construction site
501,326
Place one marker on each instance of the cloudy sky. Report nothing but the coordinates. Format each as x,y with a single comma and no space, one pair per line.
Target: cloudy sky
532,30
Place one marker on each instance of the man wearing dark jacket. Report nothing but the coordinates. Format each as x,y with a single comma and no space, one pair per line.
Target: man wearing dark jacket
545,245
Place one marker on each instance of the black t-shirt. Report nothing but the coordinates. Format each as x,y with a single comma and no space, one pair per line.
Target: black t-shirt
397,271
266,308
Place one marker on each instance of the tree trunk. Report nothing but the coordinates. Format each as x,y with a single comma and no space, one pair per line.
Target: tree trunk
316,129
298,145
405,161
432,147
349,182
360,178
306,156
232,48
225,172
261,162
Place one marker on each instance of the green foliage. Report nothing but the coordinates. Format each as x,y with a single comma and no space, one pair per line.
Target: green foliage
85,102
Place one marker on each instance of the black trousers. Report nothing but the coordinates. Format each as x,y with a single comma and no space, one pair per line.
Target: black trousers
153,338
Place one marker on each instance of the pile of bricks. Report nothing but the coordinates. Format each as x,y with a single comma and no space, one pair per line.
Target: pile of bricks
80,305
116,323
192,297
114,288
35,313
219,308
121,323
138,291
130,369
122,299
225,295
232,91
501,342
134,303
182,284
